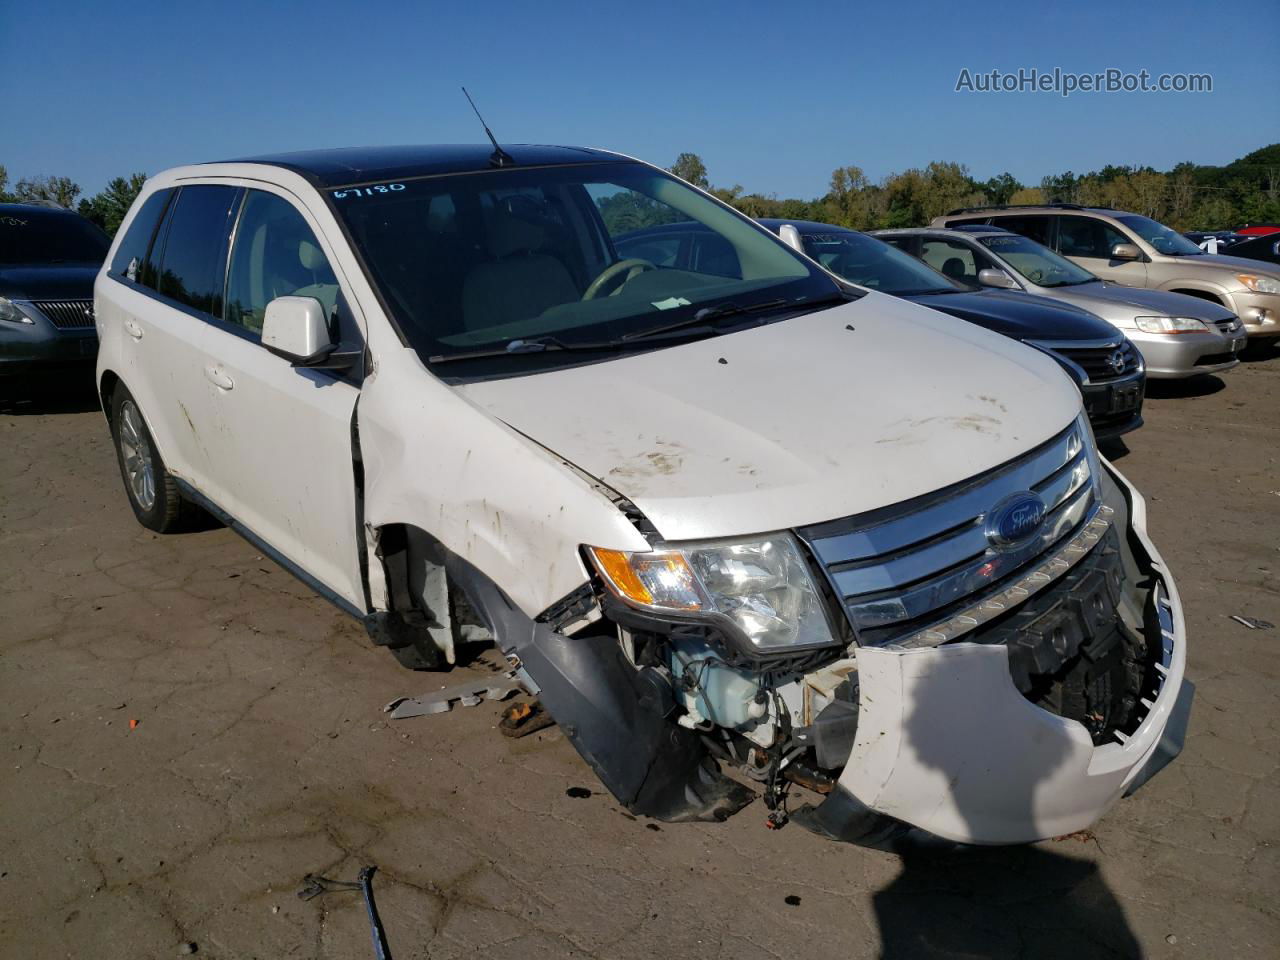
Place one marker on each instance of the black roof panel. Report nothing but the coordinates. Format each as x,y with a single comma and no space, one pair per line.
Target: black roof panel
350,165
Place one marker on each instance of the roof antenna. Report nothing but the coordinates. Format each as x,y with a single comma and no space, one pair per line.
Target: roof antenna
499,157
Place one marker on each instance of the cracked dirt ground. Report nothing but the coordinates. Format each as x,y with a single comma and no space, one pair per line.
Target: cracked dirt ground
261,753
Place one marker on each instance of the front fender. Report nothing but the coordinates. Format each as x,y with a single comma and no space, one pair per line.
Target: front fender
489,495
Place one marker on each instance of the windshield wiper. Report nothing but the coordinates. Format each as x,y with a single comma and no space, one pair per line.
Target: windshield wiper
521,345
704,316
730,308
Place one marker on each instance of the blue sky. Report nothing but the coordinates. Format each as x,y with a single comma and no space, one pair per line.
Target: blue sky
773,96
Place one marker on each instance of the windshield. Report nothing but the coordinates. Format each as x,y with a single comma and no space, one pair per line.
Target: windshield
41,237
872,263
507,267
1037,263
1165,241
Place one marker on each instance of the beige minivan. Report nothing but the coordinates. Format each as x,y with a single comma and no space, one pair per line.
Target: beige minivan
1137,251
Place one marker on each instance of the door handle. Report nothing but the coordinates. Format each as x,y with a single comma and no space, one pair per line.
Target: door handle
219,379
131,327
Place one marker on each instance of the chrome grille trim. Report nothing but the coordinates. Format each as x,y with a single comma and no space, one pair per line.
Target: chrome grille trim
992,606
980,573
66,314
898,570
1091,358
977,496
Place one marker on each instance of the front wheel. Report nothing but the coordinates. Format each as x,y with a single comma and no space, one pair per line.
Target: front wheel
153,492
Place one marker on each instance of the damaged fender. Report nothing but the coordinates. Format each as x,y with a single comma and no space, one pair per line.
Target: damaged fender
612,713
509,518
487,494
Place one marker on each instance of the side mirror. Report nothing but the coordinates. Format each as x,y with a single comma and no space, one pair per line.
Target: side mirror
791,237
1126,251
991,277
296,328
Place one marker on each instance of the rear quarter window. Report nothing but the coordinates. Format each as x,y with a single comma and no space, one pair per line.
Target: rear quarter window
131,255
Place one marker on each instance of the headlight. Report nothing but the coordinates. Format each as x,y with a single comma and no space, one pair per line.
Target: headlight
759,588
1170,325
1084,430
1259,284
11,312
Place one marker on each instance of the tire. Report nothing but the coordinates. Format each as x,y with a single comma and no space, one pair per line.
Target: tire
152,491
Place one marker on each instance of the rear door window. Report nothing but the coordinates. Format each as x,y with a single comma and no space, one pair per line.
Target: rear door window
192,266
950,258
131,256
1038,228
1087,237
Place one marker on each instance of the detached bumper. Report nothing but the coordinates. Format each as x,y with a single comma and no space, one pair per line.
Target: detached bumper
945,742
1172,357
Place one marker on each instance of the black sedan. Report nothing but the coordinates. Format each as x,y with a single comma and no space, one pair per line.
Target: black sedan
49,258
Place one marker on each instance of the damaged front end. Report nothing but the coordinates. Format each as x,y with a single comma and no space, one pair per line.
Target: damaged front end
918,666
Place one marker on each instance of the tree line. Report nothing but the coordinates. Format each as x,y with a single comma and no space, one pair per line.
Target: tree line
1187,197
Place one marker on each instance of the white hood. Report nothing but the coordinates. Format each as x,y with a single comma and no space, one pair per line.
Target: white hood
795,422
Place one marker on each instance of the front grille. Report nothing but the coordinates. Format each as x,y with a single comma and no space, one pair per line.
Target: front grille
66,314
1103,362
903,570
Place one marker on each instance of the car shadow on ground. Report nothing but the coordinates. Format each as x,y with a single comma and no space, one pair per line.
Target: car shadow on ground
1001,901
1205,386
1261,350
25,397
1113,449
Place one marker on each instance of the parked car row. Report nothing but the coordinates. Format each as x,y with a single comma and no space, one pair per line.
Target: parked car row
717,504
1178,336
1136,251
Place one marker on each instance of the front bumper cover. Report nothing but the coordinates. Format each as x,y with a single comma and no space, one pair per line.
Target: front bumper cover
947,744
1183,355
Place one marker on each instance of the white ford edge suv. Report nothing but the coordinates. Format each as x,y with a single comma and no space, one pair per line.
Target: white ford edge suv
735,513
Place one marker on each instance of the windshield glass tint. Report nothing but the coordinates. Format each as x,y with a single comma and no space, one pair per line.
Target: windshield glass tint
1161,237
1038,264
583,254
40,237
871,263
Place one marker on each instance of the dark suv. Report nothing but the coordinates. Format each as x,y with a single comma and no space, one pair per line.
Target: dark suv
49,258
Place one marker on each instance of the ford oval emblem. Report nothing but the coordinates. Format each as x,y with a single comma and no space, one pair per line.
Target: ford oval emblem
1015,519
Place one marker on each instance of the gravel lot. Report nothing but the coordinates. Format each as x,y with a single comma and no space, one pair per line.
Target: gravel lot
188,731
